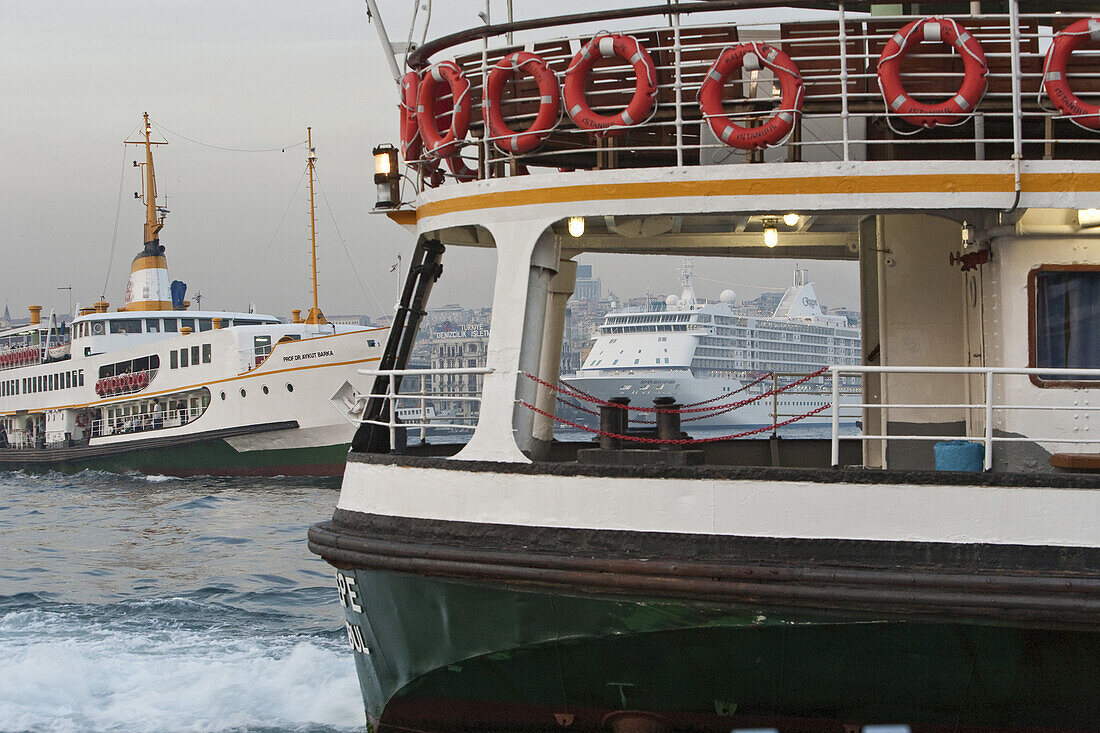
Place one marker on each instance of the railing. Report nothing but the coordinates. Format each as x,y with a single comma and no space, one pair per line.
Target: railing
421,400
143,422
988,407
844,116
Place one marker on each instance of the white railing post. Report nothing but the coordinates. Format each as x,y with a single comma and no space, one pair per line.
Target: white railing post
988,420
679,91
836,416
390,394
844,114
1017,94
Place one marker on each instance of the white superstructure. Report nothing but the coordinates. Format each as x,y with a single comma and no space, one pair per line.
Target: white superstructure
694,350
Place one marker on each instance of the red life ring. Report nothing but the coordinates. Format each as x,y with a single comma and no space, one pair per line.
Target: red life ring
142,380
961,104
410,128
443,145
81,420
641,104
131,381
116,384
1055,83
549,113
752,56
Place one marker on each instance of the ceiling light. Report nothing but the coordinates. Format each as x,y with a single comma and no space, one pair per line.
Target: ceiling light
1088,217
791,219
771,235
576,225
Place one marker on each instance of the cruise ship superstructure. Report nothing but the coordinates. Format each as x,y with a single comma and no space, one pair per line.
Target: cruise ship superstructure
700,352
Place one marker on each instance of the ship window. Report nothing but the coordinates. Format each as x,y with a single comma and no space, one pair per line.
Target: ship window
68,380
1065,310
174,360
187,323
206,349
97,327
170,325
183,358
152,325
127,325
80,378
205,324
195,354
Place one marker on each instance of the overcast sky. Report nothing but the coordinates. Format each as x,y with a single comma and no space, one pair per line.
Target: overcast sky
252,75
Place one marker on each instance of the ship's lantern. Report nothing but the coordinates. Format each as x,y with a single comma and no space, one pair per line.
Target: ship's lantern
967,235
791,219
576,225
387,179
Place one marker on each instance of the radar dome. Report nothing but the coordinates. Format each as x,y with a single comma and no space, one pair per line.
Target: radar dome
728,297
672,301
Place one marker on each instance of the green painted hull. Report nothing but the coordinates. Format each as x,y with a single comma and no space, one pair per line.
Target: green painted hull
214,457
463,656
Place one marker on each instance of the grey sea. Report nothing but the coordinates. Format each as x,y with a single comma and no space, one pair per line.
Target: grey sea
134,603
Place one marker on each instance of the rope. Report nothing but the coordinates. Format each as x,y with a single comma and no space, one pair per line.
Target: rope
675,441
281,149
118,210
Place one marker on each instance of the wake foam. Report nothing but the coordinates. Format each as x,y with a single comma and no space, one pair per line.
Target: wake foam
74,671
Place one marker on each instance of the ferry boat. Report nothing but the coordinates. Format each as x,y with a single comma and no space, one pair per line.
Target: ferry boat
938,572
156,387
716,354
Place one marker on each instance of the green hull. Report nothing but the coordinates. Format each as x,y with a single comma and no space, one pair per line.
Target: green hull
214,457
463,656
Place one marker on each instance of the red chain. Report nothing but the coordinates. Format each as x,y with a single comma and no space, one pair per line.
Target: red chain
680,441
724,408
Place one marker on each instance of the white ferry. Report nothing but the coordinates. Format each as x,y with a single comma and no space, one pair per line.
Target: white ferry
714,354
159,388
939,571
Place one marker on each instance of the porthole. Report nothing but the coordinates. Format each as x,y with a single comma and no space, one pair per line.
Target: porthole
223,395
242,392
289,387
265,389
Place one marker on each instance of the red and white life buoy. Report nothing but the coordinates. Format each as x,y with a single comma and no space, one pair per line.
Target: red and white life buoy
437,143
506,139
1055,83
961,104
142,380
100,387
410,129
752,56
81,420
641,104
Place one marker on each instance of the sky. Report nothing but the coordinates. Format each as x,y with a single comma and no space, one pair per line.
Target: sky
220,77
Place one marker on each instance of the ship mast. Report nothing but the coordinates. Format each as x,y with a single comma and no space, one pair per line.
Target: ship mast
315,314
154,216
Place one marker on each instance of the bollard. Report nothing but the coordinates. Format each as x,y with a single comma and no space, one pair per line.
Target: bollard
613,420
668,423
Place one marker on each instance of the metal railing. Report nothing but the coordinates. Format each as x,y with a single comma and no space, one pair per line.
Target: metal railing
143,422
988,408
421,401
844,117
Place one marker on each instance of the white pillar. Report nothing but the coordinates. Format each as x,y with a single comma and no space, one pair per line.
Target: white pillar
561,288
523,272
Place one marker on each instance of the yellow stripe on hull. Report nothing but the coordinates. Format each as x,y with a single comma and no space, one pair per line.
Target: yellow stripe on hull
147,305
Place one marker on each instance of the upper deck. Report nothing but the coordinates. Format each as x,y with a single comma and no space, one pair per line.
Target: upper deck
850,144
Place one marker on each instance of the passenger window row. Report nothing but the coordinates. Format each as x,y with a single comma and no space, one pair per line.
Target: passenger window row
44,383
190,356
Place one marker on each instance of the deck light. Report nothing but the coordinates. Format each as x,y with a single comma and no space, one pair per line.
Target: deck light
576,225
387,179
771,233
1088,218
791,219
967,235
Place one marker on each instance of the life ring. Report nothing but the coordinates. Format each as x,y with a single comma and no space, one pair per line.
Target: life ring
752,56
99,387
961,104
81,420
641,104
506,139
116,384
1055,83
131,381
410,129
142,380
445,144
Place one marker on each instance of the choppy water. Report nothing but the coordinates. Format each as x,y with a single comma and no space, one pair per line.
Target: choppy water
132,603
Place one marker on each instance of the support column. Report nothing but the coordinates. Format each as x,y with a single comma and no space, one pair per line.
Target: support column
526,257
561,288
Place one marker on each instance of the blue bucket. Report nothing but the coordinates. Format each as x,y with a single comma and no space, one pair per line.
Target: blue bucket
959,455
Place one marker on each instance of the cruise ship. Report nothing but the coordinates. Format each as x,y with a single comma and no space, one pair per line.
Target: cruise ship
718,354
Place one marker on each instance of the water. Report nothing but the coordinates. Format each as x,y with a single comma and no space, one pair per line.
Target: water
131,603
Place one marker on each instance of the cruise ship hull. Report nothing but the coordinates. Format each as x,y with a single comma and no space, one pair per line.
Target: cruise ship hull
718,397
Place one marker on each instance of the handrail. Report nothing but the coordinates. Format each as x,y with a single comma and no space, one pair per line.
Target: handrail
988,405
421,398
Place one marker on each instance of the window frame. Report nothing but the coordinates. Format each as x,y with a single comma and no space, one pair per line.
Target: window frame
1032,325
